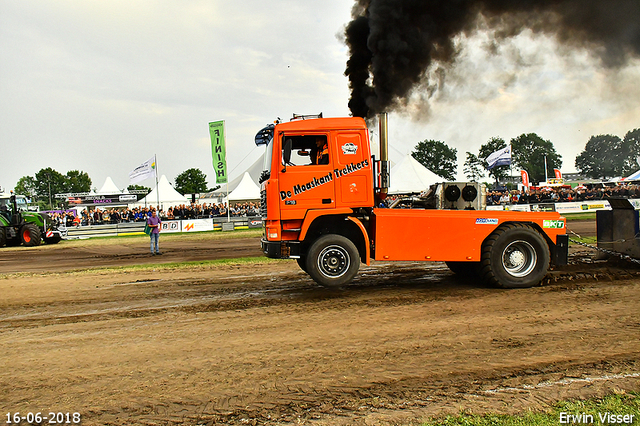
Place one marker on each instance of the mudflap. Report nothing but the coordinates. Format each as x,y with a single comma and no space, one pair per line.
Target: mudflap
561,250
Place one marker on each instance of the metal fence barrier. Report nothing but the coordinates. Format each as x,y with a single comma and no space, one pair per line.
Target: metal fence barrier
132,228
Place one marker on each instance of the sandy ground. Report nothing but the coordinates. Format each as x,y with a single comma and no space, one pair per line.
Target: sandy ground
263,344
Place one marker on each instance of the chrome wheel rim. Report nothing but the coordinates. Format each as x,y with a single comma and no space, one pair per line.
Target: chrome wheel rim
519,258
334,261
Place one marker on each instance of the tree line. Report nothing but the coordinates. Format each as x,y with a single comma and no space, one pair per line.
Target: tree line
45,184
604,156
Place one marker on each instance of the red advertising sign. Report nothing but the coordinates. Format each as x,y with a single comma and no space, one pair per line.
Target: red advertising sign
558,173
525,178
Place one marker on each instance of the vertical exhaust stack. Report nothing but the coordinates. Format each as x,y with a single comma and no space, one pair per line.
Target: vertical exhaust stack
384,155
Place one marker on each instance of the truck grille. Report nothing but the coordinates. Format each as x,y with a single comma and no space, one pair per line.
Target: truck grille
263,204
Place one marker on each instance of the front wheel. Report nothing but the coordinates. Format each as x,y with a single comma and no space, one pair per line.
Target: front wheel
302,263
332,260
30,235
514,256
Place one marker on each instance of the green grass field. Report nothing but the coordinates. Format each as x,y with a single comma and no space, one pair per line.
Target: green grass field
619,404
580,216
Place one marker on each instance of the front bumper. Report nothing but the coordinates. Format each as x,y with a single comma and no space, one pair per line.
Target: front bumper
281,249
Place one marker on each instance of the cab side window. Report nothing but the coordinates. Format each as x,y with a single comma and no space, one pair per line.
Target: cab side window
307,150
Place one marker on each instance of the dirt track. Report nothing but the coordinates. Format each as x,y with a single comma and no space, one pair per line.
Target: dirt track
263,344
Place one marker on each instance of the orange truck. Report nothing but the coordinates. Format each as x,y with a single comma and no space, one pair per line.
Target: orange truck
322,196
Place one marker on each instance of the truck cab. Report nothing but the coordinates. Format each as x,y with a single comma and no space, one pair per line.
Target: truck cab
298,190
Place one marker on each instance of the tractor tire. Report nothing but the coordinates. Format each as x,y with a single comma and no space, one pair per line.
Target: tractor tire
464,269
514,256
13,242
3,238
332,260
30,235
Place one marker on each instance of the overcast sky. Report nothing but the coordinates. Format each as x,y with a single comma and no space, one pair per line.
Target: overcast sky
101,86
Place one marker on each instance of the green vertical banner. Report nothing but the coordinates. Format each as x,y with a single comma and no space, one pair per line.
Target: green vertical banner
218,151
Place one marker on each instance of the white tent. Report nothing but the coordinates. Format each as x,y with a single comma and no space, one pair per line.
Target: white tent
254,170
169,197
245,190
108,188
635,176
409,176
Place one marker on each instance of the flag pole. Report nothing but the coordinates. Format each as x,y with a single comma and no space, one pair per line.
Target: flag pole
227,179
510,168
155,159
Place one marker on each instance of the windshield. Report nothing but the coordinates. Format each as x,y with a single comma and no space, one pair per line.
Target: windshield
21,202
266,165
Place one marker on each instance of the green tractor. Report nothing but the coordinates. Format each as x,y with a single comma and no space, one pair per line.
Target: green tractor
20,226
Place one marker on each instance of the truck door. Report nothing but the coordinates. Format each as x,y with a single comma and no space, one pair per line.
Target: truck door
306,181
353,170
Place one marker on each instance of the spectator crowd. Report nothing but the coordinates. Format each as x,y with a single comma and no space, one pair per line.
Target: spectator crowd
250,209
100,216
561,194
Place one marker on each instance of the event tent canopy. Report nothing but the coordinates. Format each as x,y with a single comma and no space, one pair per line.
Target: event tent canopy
409,176
168,196
254,170
108,188
245,190
635,176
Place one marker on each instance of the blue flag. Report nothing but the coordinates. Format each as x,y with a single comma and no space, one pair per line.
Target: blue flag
501,157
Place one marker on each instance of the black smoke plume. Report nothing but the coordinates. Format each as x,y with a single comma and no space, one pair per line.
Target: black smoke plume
394,42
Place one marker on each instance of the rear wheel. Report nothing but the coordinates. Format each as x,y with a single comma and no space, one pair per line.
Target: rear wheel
3,238
332,260
514,256
13,242
30,235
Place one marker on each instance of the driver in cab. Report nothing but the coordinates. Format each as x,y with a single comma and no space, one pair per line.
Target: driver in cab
322,152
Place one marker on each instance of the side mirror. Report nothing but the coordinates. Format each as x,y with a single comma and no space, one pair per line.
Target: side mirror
286,153
264,136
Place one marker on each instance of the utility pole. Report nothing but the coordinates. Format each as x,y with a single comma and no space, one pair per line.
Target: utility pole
546,179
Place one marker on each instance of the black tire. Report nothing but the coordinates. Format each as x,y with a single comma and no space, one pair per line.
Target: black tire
464,269
302,263
514,256
30,235
332,260
3,239
13,242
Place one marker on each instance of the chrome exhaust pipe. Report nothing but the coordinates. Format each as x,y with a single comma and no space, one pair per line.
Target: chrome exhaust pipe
384,154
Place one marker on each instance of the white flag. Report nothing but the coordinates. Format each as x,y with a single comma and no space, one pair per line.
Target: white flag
143,171
501,157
